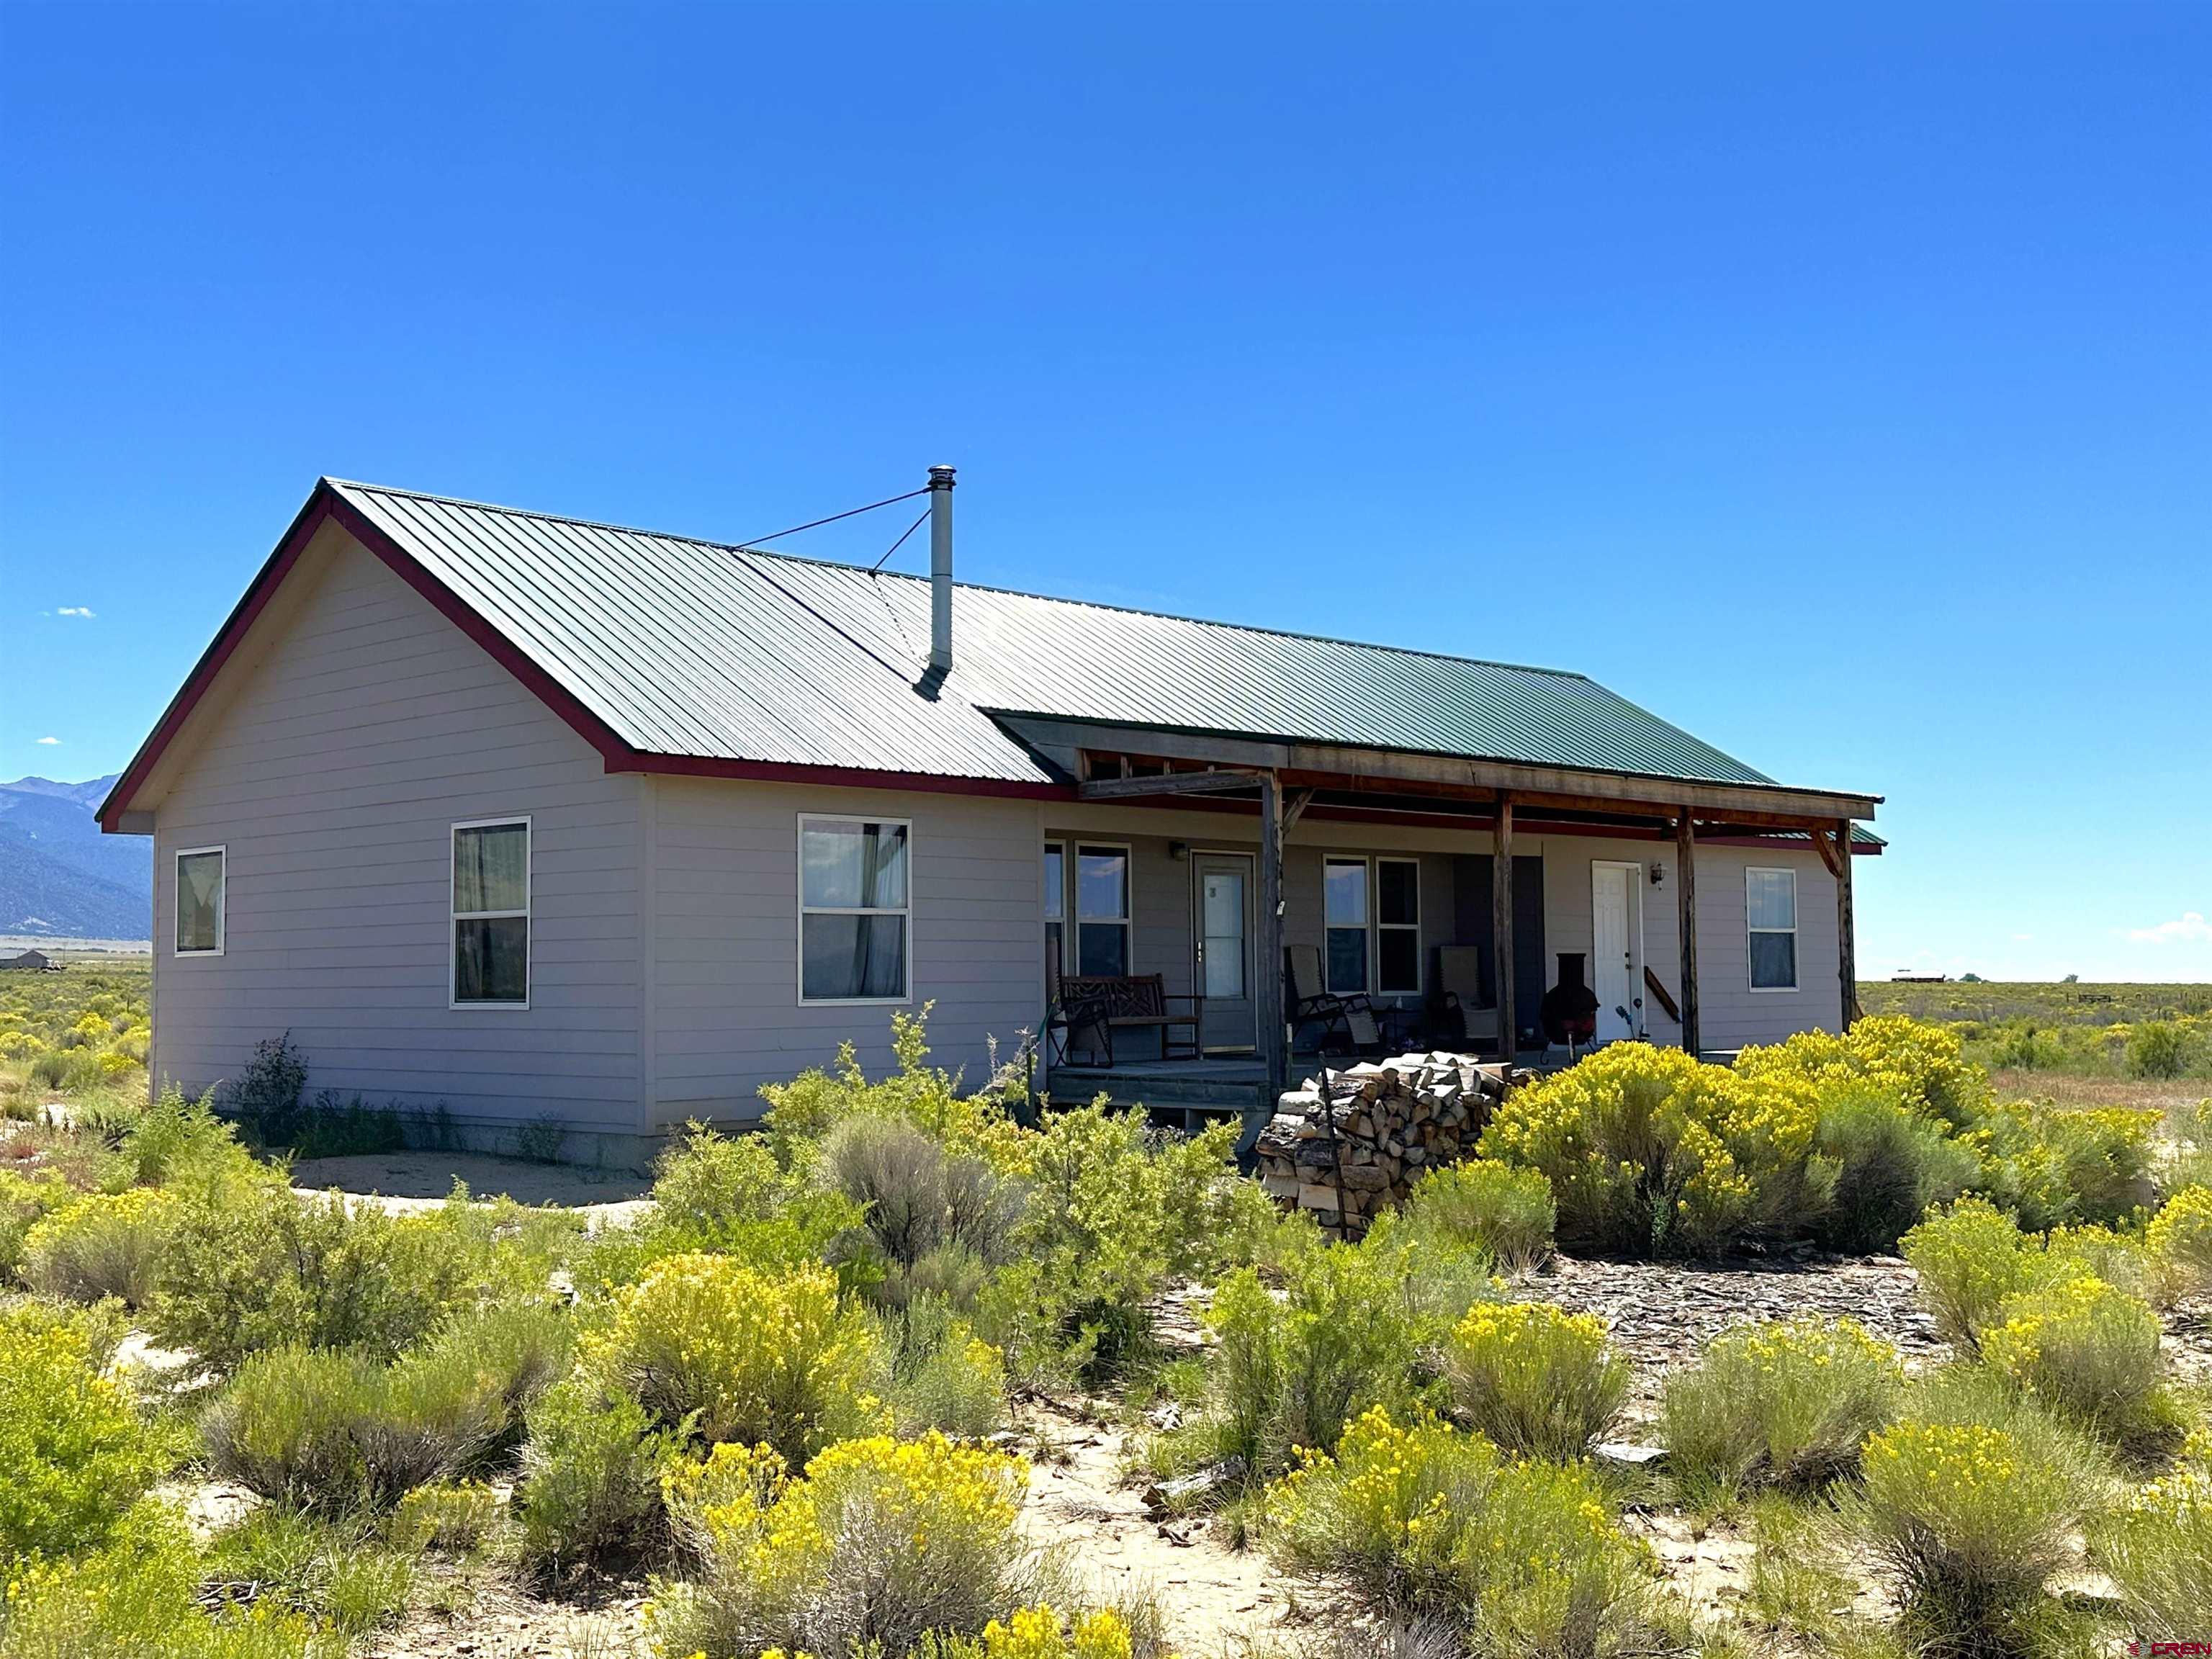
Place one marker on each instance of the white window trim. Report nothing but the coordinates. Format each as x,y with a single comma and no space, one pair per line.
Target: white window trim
1796,966
1375,909
222,898
455,916
805,910
1367,866
1072,918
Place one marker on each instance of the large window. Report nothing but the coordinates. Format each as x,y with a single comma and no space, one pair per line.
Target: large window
1398,927
491,914
199,901
855,904
1102,910
1055,904
1771,908
1344,905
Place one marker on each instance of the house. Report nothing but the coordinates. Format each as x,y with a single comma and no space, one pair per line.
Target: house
38,960
522,814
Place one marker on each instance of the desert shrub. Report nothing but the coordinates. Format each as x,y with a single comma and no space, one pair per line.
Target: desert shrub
919,1198
2158,1048
804,1110
1422,1521
329,1569
1353,1329
1923,1066
76,1456
1785,1403
877,1545
66,1070
1969,1258
1891,1164
25,1200
2178,1241
329,1127
1041,1632
748,1356
2051,1166
1506,1212
590,1491
1114,1211
1535,1379
326,1425
1650,1153
2156,1545
265,1096
170,1132
457,1516
249,1266
2087,1350
1971,1523
139,1597
943,1374
107,1244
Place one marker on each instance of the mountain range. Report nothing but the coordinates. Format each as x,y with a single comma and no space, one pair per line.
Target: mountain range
59,877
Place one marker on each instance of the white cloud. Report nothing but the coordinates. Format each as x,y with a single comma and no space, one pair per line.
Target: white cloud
2022,938
84,610
2188,928
50,741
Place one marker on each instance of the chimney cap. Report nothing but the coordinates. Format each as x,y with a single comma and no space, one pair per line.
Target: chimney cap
941,477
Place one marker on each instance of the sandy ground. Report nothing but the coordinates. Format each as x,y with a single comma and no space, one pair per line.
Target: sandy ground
404,1181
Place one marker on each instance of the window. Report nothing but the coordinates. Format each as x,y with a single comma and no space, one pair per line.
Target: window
1771,908
1055,903
1102,910
199,901
854,905
491,914
1398,927
1344,907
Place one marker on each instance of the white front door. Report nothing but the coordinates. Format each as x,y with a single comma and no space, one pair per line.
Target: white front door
1616,947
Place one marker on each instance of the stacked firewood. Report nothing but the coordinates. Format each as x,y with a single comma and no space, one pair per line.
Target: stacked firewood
1353,1150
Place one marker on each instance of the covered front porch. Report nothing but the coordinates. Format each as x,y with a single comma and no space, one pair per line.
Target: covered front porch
1255,882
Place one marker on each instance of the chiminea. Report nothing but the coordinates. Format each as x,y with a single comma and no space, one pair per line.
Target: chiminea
1568,1010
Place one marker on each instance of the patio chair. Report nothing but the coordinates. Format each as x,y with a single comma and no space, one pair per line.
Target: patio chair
1350,1020
1460,978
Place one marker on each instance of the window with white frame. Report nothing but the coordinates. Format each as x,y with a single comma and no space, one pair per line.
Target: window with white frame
1344,908
491,914
1398,927
855,909
1771,912
1055,903
200,872
1102,910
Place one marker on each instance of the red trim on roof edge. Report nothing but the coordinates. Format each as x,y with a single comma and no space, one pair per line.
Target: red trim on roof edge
841,777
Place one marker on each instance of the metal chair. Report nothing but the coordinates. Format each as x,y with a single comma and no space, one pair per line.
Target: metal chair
1350,1018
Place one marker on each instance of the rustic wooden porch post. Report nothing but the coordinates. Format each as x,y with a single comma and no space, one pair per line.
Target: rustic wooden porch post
1274,1041
1847,949
1501,927
1686,894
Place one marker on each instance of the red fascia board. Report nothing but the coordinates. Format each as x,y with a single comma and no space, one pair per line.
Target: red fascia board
839,777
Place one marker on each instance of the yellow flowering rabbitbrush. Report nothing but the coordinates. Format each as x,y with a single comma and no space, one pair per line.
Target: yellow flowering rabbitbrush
1790,1401
1535,1379
878,1541
2179,1242
2083,1347
759,1356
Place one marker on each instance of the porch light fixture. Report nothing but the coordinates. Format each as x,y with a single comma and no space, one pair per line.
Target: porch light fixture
1658,871
1178,850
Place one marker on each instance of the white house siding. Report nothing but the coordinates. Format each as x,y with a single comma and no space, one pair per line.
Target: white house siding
726,1016
340,760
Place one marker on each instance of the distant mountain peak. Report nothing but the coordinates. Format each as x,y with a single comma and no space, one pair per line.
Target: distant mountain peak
59,877
89,794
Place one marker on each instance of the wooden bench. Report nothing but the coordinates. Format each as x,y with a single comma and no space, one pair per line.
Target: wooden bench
1095,1005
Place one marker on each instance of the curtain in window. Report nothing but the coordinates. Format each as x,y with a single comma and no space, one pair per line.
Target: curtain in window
199,895
491,959
491,868
850,866
850,957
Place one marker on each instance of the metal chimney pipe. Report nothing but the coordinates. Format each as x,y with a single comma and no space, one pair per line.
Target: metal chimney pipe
940,567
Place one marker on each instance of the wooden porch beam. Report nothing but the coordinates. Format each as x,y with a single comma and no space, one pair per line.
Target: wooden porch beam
1522,781
1273,1038
1834,854
1847,949
1501,928
1686,894
1294,808
1168,783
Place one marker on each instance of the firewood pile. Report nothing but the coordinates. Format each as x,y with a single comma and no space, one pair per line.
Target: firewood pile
1355,1153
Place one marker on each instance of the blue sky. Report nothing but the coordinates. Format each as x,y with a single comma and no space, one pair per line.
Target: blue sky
1836,382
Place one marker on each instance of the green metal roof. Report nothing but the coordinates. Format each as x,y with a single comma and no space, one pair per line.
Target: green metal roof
694,648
